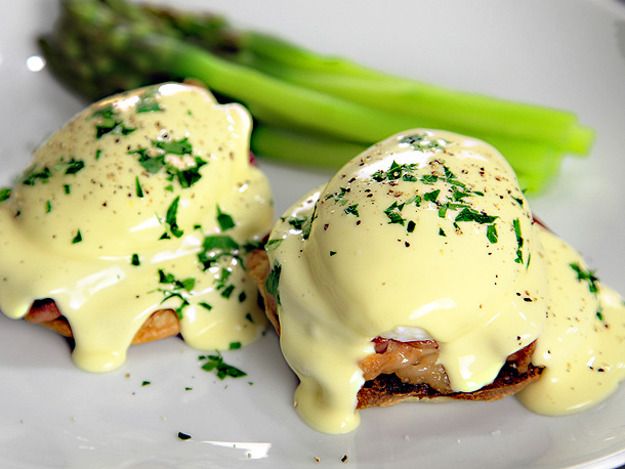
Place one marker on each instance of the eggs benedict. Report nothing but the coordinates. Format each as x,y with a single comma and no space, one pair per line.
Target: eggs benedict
131,224
419,272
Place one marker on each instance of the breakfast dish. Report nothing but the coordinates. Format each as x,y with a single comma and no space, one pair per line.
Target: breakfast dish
131,225
419,272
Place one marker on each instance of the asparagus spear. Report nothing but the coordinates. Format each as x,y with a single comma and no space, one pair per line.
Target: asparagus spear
430,105
321,103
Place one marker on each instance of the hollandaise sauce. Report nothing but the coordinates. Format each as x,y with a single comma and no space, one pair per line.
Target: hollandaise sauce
143,201
427,235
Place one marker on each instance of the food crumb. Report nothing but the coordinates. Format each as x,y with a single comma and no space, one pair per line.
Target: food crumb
127,375
344,458
317,459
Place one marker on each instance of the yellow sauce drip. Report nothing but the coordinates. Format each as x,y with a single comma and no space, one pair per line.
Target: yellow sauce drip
426,231
104,188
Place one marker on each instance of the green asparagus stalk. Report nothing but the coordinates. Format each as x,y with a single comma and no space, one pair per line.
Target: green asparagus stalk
430,105
329,108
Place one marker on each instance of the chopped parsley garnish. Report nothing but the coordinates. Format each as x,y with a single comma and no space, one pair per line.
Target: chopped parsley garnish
273,244
138,188
248,316
5,193
205,305
73,166
422,142
32,176
491,233
352,210
148,103
332,253
297,222
273,282
599,315
216,364
154,160
225,220
468,214
98,154
214,248
67,188
393,213
234,346
174,147
171,219
429,179
146,383
586,276
184,436
411,226
396,171
441,232
519,241
134,260
226,292
431,196
78,238
242,297
176,289
48,206
110,122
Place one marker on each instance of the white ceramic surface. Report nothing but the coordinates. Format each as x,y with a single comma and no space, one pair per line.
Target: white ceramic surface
565,53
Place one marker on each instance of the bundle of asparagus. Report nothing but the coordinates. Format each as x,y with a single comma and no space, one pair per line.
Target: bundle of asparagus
309,109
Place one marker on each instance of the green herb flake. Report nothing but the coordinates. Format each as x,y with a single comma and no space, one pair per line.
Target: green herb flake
183,436
431,196
5,193
73,166
491,233
171,218
234,346
422,142
468,215
205,305
393,212
248,317
242,297
297,222
411,226
519,241
148,102
146,383
429,179
225,220
31,176
175,147
109,122
78,238
215,363
273,282
599,315
67,188
586,276
273,244
227,291
138,188
352,210
134,260
98,154
441,232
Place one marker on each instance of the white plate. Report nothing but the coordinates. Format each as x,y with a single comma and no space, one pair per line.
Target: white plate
563,53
